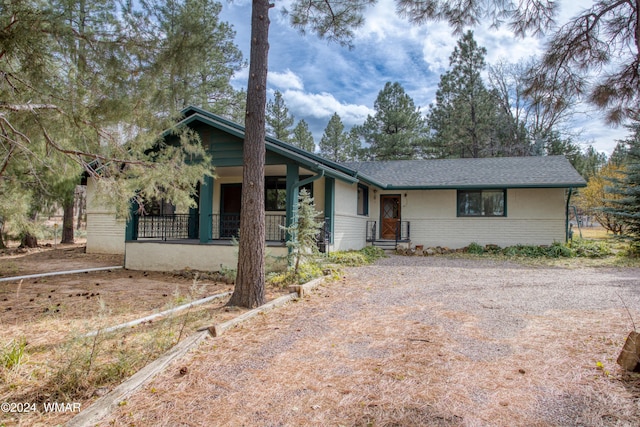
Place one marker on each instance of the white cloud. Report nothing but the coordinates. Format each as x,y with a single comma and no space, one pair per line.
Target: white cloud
323,105
437,45
285,81
381,21
240,78
502,44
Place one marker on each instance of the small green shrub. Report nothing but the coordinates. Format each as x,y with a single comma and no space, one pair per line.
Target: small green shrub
306,271
228,274
280,279
372,253
364,256
348,258
590,248
309,271
576,248
13,353
475,249
559,250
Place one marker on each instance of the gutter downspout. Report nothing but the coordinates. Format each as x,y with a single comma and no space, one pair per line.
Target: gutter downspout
566,216
308,180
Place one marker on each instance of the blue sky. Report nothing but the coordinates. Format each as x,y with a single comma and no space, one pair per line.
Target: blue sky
318,78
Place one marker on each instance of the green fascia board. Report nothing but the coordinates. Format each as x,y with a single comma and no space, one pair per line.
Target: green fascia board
310,163
226,127
484,187
368,180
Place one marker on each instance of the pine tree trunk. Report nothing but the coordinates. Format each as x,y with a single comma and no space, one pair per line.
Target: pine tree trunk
2,244
67,222
249,290
81,202
29,240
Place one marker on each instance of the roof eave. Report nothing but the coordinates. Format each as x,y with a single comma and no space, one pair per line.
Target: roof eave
482,187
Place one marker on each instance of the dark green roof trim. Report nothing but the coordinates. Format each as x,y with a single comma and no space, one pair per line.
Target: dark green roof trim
292,148
476,187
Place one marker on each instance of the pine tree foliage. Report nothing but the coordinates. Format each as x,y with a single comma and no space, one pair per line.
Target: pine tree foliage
335,143
331,20
304,231
596,55
278,119
90,86
195,57
397,130
464,118
302,137
626,206
354,150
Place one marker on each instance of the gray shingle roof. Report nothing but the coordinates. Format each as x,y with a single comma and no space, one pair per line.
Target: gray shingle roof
499,172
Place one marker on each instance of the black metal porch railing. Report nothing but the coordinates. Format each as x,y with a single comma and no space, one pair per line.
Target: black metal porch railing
402,231
324,237
274,227
167,227
372,234
227,226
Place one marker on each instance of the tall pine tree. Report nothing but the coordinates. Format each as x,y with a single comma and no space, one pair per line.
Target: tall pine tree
302,137
278,119
626,207
82,78
463,118
397,130
336,144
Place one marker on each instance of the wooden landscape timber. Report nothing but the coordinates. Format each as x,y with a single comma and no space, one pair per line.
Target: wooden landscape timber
107,403
298,292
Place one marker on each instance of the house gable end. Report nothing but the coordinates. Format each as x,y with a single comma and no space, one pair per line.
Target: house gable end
226,140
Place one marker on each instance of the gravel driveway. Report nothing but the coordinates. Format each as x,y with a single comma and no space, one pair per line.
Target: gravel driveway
418,341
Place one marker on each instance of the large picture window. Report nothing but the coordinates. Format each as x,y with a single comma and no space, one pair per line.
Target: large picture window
275,188
275,198
482,202
363,200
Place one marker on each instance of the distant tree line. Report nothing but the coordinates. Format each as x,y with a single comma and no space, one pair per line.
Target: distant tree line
469,118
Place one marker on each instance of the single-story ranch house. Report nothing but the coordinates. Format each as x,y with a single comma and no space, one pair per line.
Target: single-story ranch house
452,203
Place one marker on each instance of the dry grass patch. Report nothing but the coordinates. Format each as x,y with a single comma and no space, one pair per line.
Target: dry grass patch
593,233
52,315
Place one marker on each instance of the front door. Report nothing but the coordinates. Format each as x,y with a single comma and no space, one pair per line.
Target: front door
230,210
390,216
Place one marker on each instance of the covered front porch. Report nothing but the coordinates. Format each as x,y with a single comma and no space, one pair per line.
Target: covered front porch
204,234
161,239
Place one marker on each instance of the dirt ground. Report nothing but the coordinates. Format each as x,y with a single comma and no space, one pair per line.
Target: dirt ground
438,341
124,294
415,341
52,313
